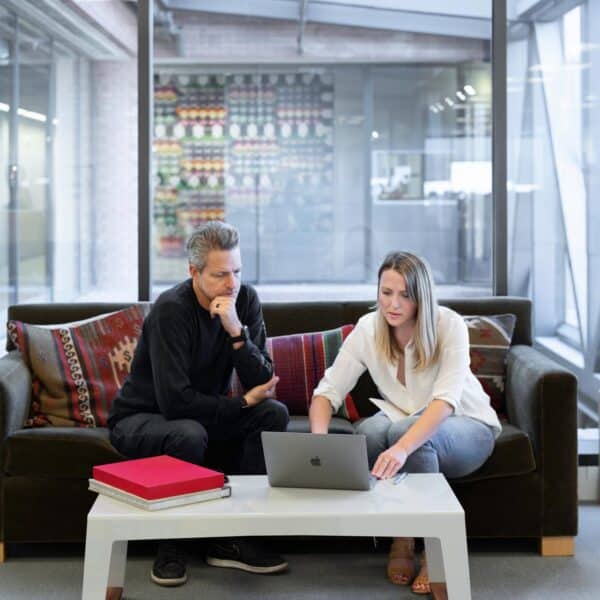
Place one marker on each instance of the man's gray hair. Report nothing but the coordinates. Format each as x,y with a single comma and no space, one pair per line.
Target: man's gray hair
213,235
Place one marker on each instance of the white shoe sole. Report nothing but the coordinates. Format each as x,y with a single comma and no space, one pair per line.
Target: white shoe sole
168,582
234,564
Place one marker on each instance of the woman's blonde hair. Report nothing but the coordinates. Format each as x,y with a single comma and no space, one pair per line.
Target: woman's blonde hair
421,290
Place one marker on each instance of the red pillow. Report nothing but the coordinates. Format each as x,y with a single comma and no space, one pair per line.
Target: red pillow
489,341
77,370
300,361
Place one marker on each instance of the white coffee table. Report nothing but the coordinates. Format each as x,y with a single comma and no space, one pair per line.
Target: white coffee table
422,505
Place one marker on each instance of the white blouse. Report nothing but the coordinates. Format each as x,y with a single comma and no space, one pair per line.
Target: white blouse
449,379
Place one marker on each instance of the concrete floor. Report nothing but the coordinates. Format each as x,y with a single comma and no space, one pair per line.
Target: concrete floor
343,569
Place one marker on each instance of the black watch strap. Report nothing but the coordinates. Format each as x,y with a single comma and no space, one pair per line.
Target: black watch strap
242,337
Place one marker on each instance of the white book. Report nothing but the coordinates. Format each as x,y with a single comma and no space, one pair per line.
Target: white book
160,503
391,410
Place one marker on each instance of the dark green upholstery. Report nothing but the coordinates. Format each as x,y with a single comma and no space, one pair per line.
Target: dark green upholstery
528,487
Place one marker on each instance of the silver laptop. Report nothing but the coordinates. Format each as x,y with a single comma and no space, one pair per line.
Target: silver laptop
306,460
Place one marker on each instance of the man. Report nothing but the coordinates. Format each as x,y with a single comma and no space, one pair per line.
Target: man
175,400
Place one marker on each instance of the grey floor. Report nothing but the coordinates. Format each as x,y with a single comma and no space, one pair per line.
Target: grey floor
334,569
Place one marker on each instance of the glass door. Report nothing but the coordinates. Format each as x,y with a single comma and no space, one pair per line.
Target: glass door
5,188
34,192
25,140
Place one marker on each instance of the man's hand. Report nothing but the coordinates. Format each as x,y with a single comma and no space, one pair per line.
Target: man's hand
224,308
261,392
389,462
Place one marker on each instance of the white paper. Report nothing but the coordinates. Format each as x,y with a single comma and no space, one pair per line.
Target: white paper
391,410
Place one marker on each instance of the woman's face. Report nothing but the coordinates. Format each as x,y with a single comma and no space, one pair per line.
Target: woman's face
397,308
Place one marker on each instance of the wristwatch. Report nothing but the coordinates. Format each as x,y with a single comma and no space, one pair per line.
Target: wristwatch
244,335
244,402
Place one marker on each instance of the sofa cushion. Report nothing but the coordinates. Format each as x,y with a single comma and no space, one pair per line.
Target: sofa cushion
300,361
512,456
77,370
65,452
489,342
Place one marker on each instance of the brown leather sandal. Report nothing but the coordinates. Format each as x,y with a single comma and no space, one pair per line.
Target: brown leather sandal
401,562
420,585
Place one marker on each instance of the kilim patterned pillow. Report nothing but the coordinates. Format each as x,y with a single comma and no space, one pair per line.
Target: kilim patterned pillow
78,369
489,340
300,361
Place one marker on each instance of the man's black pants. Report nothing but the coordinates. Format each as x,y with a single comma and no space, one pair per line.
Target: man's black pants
146,434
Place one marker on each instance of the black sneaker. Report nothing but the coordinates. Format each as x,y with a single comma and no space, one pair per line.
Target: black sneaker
169,566
245,554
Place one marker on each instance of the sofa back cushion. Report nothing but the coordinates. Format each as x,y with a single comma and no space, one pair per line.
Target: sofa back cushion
489,340
300,361
287,318
284,318
77,369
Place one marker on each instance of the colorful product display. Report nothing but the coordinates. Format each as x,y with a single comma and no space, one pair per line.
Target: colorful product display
245,140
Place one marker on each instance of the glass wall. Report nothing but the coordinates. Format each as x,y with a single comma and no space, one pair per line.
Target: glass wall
5,160
431,168
327,148
68,152
24,125
553,92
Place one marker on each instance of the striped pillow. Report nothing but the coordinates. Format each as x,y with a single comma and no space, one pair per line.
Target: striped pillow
300,361
489,341
77,369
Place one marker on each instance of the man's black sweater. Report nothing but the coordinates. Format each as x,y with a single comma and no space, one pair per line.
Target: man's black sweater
183,361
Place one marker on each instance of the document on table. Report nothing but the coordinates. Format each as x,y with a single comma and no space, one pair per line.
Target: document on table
391,410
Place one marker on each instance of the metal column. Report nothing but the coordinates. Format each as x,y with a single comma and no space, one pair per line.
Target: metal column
13,172
499,172
145,107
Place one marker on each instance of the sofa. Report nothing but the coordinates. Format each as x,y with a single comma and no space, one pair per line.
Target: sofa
527,488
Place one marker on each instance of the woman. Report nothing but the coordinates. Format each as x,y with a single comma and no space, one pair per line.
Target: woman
417,353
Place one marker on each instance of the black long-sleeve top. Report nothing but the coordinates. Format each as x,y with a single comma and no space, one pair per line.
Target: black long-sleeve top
184,359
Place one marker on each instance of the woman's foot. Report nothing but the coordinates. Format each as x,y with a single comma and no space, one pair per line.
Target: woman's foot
401,562
421,583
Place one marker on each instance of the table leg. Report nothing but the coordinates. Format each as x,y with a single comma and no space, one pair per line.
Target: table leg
116,574
448,561
435,569
435,562
113,593
104,565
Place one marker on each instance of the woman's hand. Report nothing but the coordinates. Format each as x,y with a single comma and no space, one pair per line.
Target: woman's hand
320,414
388,463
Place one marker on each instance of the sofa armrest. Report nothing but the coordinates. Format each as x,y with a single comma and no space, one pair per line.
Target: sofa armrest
15,393
541,398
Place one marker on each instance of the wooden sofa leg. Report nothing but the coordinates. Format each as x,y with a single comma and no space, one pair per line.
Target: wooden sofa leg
557,546
114,593
2,554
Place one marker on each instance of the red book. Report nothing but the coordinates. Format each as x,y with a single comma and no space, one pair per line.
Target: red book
158,477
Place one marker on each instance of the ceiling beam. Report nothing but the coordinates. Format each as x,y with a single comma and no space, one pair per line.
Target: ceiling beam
301,23
77,32
350,15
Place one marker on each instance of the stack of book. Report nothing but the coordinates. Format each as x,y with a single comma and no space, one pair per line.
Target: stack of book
158,482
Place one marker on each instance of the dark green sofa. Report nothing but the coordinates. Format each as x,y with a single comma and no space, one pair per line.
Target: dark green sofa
527,489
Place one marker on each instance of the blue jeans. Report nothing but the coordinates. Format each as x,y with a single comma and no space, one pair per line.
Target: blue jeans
459,446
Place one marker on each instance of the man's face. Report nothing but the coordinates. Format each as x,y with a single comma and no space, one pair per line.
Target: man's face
220,277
